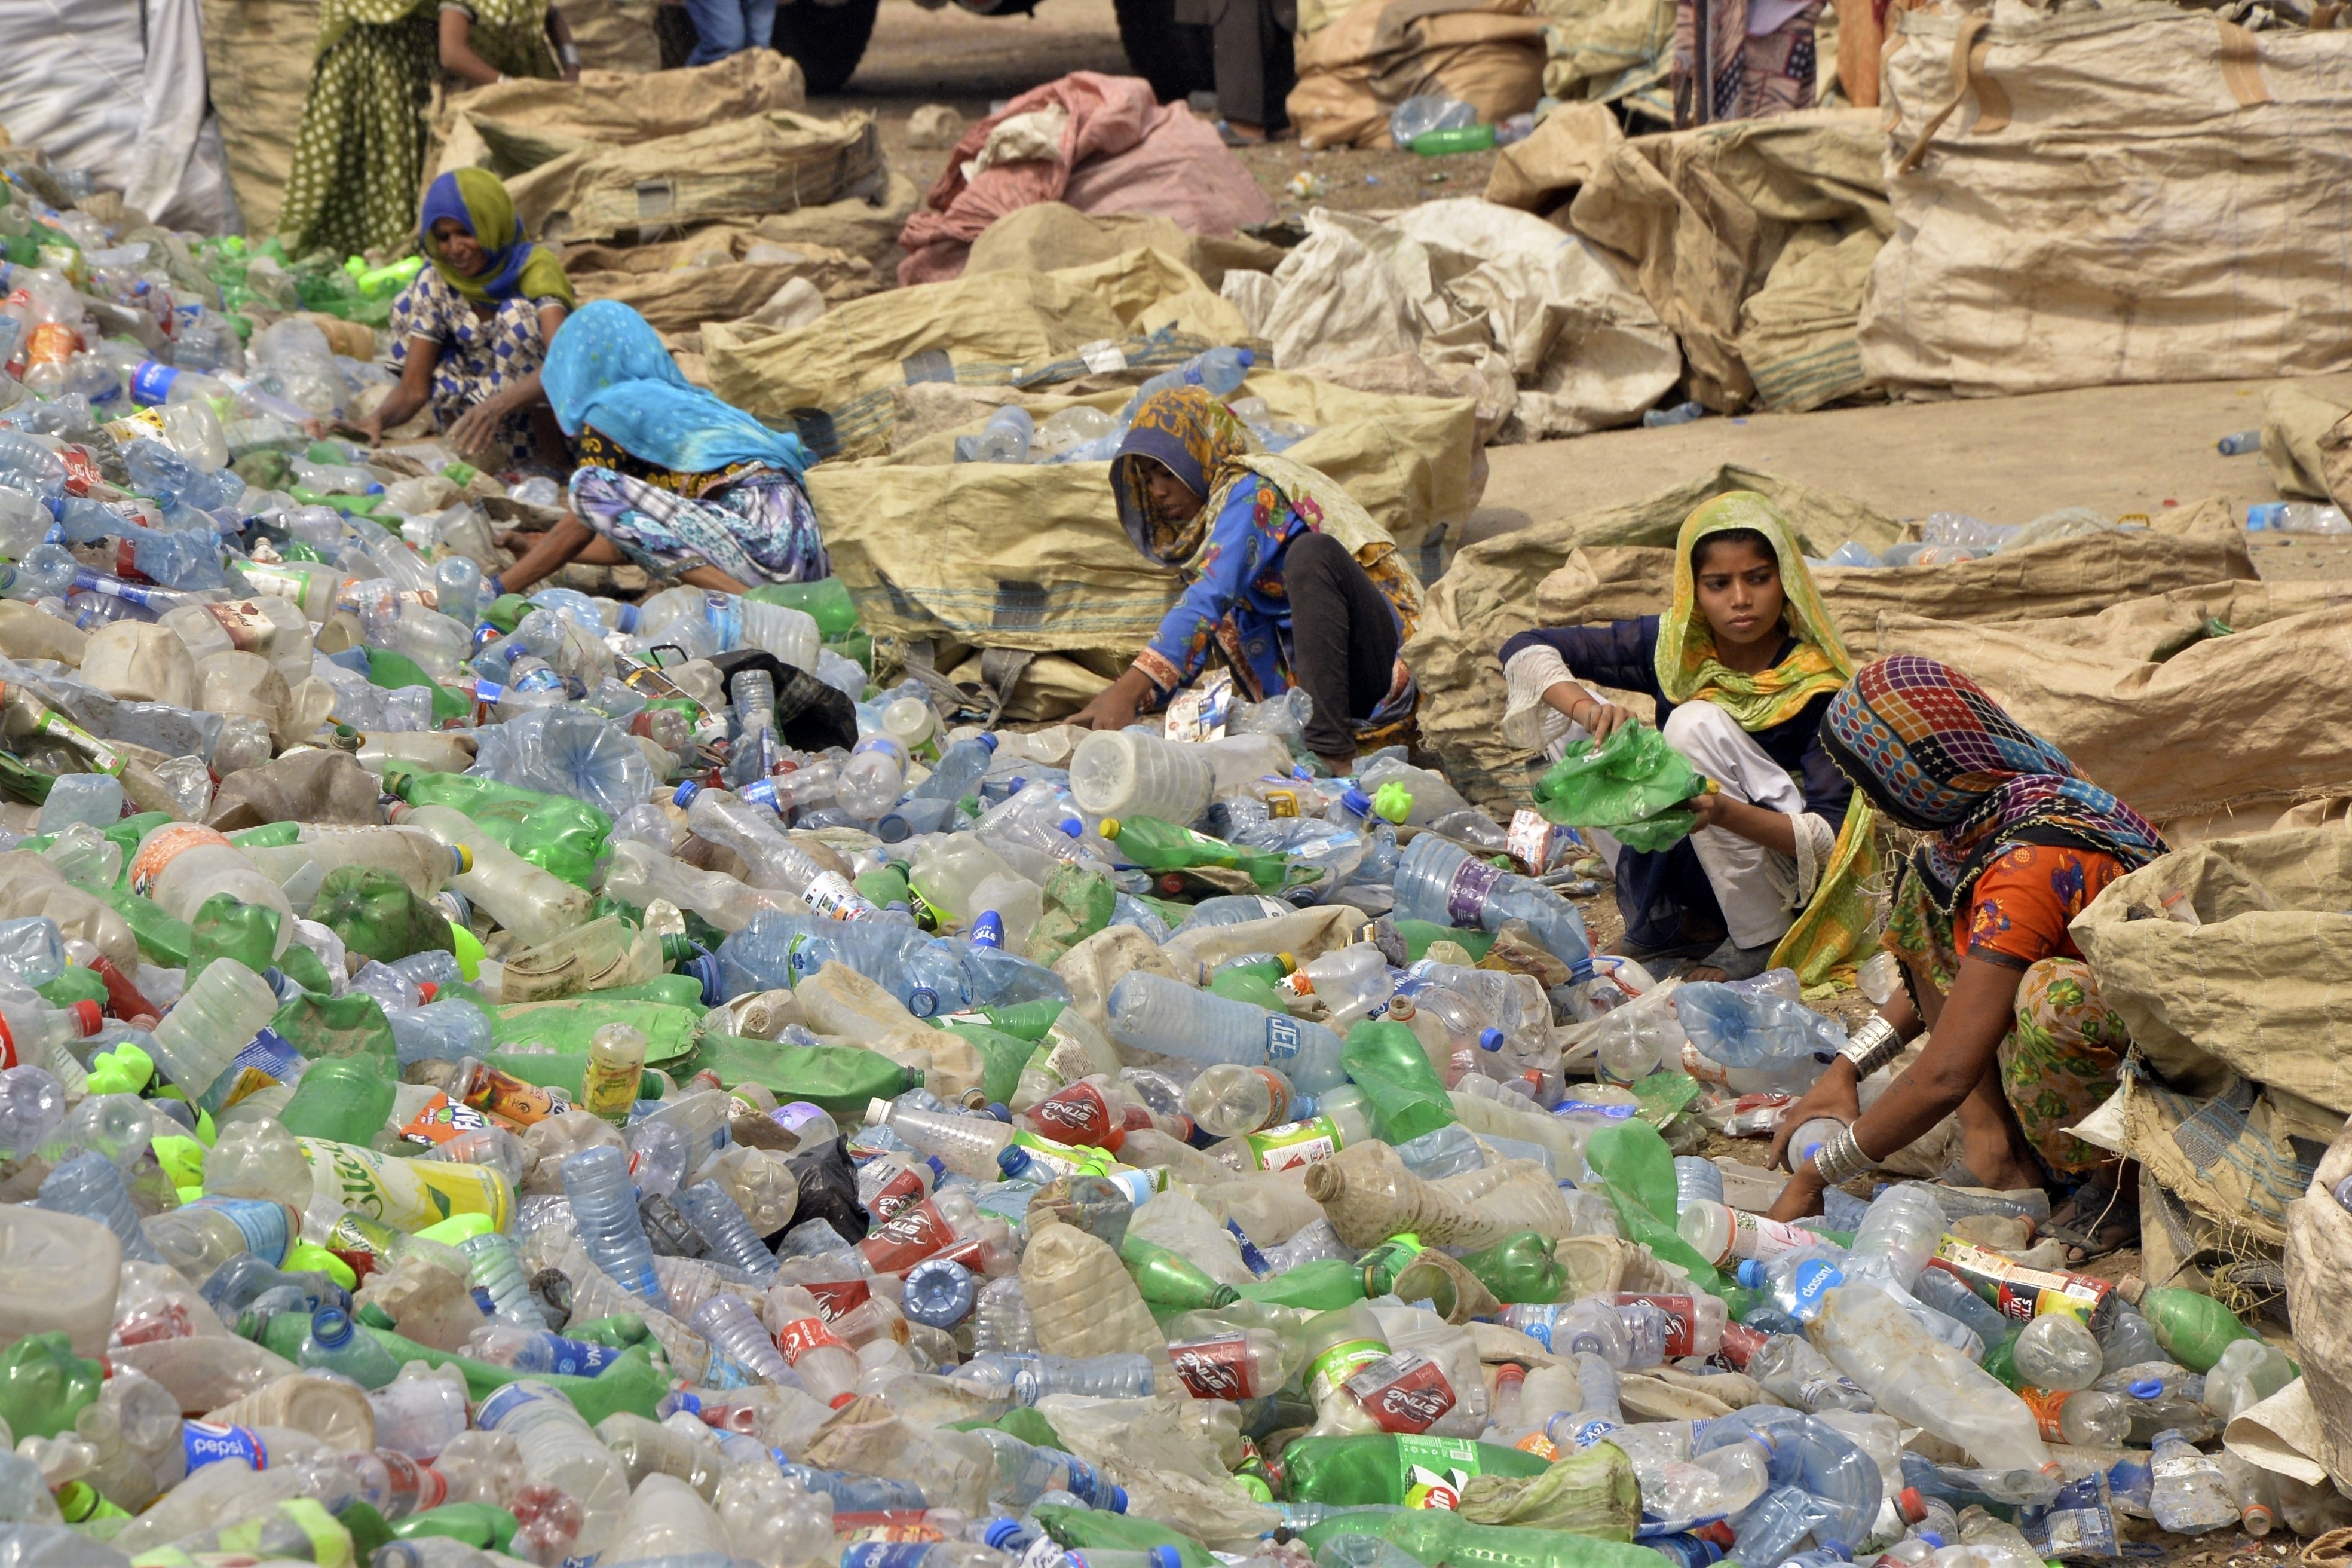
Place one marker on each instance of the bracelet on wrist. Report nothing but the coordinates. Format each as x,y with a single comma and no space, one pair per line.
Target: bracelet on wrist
1871,1047
1839,1159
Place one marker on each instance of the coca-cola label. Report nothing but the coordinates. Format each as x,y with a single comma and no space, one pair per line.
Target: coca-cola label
802,1335
1220,1368
1078,1114
1465,895
1402,1392
900,1193
1682,1337
906,1238
837,1299
81,470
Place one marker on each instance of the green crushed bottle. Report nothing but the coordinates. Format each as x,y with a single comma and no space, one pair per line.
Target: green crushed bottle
1599,1492
1157,846
1080,1529
342,1098
226,927
1002,1055
2194,1330
562,837
268,836
394,672
482,1525
1325,1285
567,1025
162,939
1168,1278
1384,1263
1419,934
1249,985
1273,968
632,1384
1637,1172
44,1385
1459,139
827,600
1376,1468
676,990
841,1079
1028,1020
126,834
1519,1269
886,887
507,611
75,985
1406,1097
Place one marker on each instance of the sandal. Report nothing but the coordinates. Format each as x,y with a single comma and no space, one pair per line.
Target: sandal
2093,1222
1232,138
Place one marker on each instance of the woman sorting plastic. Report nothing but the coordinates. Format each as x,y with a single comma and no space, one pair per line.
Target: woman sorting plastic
1287,578
2023,1047
688,487
470,334
1742,667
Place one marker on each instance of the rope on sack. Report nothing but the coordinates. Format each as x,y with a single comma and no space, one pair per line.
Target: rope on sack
1967,76
2331,1549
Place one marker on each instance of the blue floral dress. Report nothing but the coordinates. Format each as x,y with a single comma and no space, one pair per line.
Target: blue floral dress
478,356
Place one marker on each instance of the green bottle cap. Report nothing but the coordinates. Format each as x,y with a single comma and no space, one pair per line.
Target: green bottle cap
125,1069
1392,802
458,1228
305,1257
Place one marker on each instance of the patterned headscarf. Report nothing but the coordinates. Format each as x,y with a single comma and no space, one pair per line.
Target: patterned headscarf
1202,444
478,201
608,368
1940,757
1687,667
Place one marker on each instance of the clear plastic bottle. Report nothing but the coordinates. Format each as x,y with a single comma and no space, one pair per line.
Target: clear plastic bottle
558,1448
537,907
91,1186
1227,1100
2189,1495
720,1223
604,1215
1152,1013
819,1358
959,768
870,781
733,1328
2057,1351
999,1319
1027,1377
773,860
337,1344
1438,882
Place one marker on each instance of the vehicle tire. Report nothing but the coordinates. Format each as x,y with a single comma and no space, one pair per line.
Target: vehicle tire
1173,58
828,41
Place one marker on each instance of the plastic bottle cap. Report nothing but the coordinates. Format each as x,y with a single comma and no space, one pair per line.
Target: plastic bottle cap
1355,799
1071,827
1933,1538
1490,1039
332,1327
1750,1274
1161,1556
1913,1505
470,949
1001,1531
1000,1113
685,792
462,859
877,1111
989,742
2147,1388
1109,827
1013,1159
87,1016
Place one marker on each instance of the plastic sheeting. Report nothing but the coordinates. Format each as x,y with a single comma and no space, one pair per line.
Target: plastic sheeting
98,86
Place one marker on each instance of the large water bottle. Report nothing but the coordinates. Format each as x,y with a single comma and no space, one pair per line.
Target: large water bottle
1896,1238
1220,371
870,781
604,1214
1153,1013
778,950
1025,1472
719,1220
1026,1377
733,1328
560,1448
1005,440
774,860
213,1021
1696,1178
1779,1044
1439,882
961,767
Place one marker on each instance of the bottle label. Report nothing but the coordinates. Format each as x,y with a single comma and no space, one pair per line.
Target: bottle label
578,1358
1753,1236
906,1238
2026,1293
802,1335
837,1298
902,1190
406,1194
1078,1114
1432,1471
1281,1039
268,1060
1532,842
248,630
2045,1403
166,845
211,1443
504,1402
1681,1334
1402,1392
886,1554
58,727
151,384
1465,897
1199,712
1060,1058
269,1226
1064,1159
609,1089
1294,1145
1541,1445
1340,1363
510,1099
830,897
1220,1368
1253,1260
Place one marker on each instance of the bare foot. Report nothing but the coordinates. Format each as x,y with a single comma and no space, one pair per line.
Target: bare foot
1703,973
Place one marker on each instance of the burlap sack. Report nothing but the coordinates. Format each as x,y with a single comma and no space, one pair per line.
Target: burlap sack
1604,50
615,35
1047,235
1486,53
1702,219
2307,445
2030,253
738,169
1549,167
523,124
2318,1264
2252,990
258,55
722,274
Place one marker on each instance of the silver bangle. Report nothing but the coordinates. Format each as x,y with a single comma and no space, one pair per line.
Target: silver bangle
1872,1046
1839,1159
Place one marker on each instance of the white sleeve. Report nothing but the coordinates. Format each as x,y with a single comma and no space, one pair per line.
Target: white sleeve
1528,720
1816,841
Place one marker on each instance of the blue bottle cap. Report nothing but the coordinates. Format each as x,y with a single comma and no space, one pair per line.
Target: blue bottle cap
704,966
2147,1388
1119,1505
332,1327
988,930
1750,1273
938,1167
1163,1556
1247,356
989,742
1071,827
1012,1160
1933,1539
1490,1039
1001,1531
628,619
1001,1113
1357,801
685,793
922,1001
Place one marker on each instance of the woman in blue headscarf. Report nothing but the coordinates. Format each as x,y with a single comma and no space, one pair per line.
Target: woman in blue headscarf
469,333
688,487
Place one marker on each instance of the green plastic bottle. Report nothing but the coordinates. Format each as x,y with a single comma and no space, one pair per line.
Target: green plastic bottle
397,673
1519,1269
1384,1263
886,887
1604,1492
226,927
1637,1172
676,990
1002,1055
1374,1468
1419,934
827,600
632,1384
1406,1097
162,938
1168,1278
1028,1020
1157,846
483,1525
75,985
1460,139
44,1385
841,1079
2194,1330
561,836
567,1025
1243,984
342,1098
1323,1286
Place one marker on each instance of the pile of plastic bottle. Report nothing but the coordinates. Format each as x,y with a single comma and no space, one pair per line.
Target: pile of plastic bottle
475,1091
1084,434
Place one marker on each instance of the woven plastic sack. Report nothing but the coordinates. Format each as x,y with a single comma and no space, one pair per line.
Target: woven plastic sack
1630,785
376,913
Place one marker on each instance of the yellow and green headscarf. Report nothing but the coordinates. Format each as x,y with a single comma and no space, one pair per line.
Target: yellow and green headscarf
1688,669
1833,930
518,269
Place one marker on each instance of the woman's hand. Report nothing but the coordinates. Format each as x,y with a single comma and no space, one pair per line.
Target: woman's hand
478,428
1707,809
1834,1094
1800,1197
370,427
1115,706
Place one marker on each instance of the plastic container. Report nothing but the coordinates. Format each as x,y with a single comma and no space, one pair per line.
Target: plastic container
1126,773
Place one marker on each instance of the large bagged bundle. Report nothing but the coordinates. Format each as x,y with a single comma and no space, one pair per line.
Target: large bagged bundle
2318,1260
1780,215
257,54
2087,214
721,275
1486,53
511,126
1099,143
772,163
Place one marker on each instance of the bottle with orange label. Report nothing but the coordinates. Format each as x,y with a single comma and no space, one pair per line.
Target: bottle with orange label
179,865
2083,1418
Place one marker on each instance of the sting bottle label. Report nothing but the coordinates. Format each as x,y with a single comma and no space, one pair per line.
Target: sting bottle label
1220,1368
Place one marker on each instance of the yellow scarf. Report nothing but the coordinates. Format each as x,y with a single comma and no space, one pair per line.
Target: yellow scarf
1688,669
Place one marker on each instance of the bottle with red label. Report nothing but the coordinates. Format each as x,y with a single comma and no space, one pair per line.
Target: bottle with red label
1097,1112
894,1182
1693,1324
1244,1363
945,1224
822,1361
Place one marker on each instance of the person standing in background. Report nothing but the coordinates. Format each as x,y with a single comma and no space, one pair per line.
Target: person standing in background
483,41
1250,42
724,28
